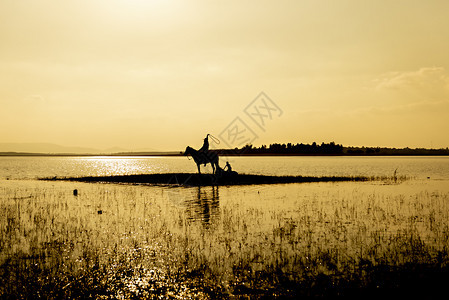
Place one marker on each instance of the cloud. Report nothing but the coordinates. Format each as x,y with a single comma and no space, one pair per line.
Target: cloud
411,94
433,78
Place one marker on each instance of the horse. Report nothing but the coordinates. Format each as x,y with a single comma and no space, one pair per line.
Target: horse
203,158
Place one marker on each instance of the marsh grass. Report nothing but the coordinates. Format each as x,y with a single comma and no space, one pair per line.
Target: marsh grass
269,241
194,179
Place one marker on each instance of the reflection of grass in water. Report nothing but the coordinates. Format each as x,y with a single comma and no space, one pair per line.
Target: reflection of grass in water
53,244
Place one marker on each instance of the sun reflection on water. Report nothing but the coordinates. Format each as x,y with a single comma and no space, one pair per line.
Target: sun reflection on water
106,166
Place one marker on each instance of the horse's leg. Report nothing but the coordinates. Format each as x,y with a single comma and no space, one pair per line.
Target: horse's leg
199,171
213,167
215,162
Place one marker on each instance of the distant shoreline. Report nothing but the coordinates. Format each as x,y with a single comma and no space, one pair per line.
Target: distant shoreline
89,154
21,154
276,149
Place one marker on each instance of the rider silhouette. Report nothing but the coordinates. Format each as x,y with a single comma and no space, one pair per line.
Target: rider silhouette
203,150
205,147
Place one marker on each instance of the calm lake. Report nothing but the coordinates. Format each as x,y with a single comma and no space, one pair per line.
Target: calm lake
144,241
417,167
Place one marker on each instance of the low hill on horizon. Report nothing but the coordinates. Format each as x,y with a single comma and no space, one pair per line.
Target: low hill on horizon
49,148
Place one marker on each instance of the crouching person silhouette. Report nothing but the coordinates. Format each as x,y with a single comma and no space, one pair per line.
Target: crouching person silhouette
228,167
227,170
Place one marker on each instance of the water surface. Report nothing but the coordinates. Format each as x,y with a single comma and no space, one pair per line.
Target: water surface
125,241
35,167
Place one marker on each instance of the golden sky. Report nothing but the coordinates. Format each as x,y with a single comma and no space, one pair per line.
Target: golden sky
161,74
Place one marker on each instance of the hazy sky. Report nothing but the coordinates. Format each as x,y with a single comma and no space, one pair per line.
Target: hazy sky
161,74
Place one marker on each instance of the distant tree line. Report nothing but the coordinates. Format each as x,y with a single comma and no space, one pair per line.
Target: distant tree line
326,149
299,148
393,151
286,149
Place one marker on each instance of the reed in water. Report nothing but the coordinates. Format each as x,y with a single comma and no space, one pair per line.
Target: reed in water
144,244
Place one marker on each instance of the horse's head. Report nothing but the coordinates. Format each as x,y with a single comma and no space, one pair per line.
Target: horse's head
188,150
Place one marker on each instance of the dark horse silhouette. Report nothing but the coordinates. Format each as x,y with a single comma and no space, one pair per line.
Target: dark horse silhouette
200,158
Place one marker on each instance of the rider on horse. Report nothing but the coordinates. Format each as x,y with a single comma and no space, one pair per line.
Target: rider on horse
204,156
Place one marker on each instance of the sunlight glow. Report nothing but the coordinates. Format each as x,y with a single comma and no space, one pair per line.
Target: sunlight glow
155,74
128,10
